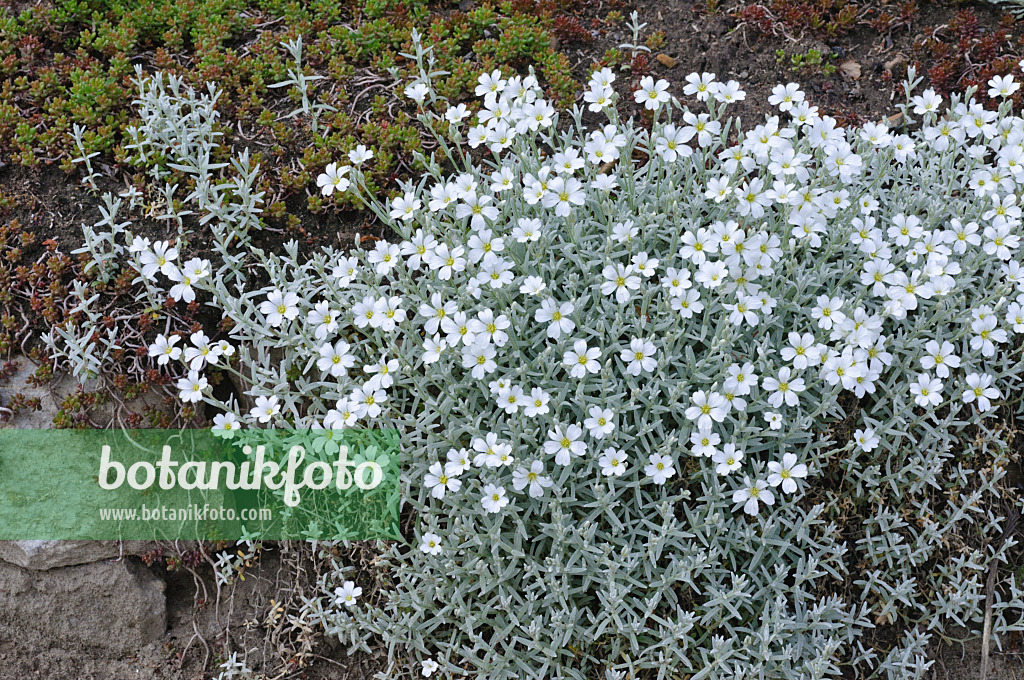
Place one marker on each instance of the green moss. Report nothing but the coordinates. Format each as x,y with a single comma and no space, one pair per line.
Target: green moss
73,63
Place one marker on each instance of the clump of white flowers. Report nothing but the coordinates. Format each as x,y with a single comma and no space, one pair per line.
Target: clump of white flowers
617,359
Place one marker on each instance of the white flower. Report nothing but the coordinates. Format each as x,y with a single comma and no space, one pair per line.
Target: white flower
196,269
433,348
803,351
639,357
940,358
625,232
201,352
557,317
527,229
279,307
341,416
533,478
479,358
537,403
707,407
786,473
702,86
752,494
191,387
494,498
603,78
987,335
139,244
323,319
428,667
441,480
333,179
533,285
405,207
490,328
784,388
601,422
785,96
564,443
567,162
927,102
495,271
676,281
447,261
364,311
581,360
697,246
728,459
160,259
1002,86
163,349
644,264
741,379
598,97
418,249
480,211
388,313
660,468
927,391
711,274
430,543
335,359
979,387
774,419
704,443
490,85
458,462
417,92
670,143
359,155
347,593
843,369
265,409
492,452
226,422
366,401
458,328
345,271
905,228
866,439
730,92
184,278
687,304
651,94
563,194
613,462
384,257
1001,241
826,311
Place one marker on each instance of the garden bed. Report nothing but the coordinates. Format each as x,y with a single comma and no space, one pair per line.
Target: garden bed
64,65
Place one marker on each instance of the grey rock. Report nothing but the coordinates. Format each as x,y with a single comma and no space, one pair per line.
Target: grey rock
115,607
41,555
53,393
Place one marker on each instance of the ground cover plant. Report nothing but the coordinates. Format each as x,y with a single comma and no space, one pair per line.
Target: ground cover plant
679,398
69,66
73,63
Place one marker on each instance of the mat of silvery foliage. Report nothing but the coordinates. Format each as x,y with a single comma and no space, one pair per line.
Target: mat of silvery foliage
618,357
